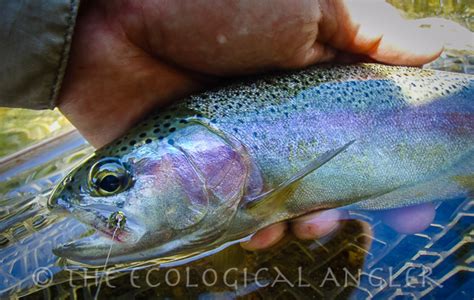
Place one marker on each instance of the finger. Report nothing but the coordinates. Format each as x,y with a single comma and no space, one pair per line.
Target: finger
316,224
266,237
410,219
408,45
385,36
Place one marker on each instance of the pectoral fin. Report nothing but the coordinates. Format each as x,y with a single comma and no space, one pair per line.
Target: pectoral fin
282,191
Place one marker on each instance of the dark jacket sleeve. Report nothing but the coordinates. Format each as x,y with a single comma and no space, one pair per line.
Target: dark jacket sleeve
35,37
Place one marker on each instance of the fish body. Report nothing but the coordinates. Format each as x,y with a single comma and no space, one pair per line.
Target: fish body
220,165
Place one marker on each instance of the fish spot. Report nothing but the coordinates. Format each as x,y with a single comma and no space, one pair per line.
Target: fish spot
132,142
172,129
142,135
167,125
171,141
148,141
156,130
123,148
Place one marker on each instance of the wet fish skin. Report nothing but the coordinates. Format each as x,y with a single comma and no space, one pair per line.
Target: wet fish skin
196,166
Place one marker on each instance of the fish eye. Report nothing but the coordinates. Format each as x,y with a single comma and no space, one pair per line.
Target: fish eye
108,176
110,183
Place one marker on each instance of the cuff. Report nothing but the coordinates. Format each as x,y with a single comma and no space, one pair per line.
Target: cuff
35,38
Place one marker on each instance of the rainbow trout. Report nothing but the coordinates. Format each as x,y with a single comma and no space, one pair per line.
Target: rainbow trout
219,166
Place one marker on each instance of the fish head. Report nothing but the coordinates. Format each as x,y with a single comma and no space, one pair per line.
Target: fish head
162,199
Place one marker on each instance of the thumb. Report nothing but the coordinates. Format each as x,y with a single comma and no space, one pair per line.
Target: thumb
377,30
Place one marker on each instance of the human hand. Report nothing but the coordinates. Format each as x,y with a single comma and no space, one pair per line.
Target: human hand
129,57
406,220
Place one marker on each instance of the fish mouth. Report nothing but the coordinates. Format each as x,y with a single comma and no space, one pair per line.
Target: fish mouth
118,225
97,250
124,234
112,245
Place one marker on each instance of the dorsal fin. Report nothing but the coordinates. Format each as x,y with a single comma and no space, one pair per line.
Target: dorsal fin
287,184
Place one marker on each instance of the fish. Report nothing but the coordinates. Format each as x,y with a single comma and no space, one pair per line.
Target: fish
216,167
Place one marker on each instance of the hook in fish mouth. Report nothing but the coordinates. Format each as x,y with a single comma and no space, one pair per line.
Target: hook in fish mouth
111,227
107,219
117,220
